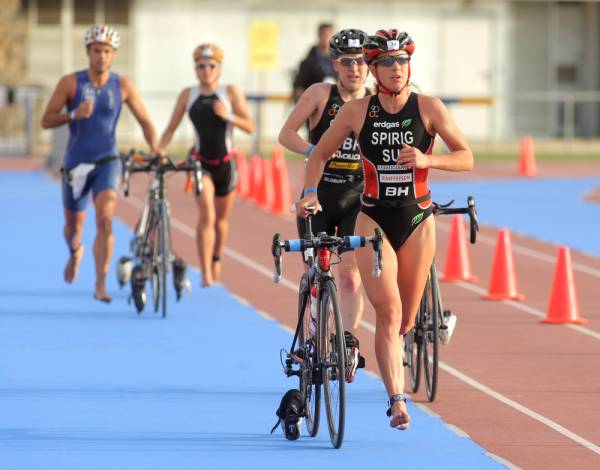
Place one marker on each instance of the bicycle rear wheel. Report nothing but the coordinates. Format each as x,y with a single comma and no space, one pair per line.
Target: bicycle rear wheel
310,383
332,349
432,315
164,256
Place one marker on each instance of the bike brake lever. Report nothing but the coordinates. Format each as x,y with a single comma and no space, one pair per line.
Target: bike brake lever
276,252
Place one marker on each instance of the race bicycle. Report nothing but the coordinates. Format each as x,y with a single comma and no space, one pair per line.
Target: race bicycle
150,247
318,354
421,344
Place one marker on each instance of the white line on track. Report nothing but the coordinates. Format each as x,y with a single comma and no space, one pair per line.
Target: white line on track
447,368
527,309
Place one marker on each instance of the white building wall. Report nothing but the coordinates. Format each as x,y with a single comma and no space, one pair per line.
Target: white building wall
457,53
454,55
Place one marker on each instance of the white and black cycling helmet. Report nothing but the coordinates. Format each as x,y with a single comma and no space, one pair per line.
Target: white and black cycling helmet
347,41
103,34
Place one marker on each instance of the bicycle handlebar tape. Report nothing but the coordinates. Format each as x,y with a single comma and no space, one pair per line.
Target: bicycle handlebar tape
458,265
295,245
354,241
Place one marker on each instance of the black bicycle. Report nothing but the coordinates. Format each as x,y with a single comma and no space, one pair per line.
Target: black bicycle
421,344
320,356
150,246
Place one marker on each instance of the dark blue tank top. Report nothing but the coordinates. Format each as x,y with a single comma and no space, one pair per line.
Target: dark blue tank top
94,138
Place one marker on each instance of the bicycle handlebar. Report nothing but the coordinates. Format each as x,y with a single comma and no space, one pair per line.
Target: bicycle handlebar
471,210
327,241
153,163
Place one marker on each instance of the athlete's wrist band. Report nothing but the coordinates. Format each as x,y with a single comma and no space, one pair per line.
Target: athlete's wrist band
72,115
230,116
311,190
309,150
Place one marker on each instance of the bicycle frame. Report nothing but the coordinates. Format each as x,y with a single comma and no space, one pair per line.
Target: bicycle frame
151,244
156,204
324,355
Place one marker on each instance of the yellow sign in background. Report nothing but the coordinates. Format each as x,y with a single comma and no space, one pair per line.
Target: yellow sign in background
264,45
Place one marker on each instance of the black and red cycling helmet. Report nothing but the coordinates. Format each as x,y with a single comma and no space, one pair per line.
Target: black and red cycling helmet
347,41
389,40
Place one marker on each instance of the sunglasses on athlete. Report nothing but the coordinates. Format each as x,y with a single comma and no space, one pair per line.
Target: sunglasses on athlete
350,61
389,61
205,66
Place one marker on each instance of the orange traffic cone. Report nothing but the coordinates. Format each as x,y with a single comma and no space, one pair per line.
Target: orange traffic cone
266,196
256,177
503,281
458,266
188,182
243,184
527,166
277,155
564,306
281,184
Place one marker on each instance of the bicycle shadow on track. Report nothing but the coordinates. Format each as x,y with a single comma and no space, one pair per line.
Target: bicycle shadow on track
144,441
60,293
125,314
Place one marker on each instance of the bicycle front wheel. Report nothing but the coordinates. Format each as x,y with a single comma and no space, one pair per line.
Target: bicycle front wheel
332,348
432,314
164,256
154,259
310,380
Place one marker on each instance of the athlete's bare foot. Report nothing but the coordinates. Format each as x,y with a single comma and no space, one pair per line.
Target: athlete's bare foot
206,281
400,417
72,267
101,294
216,268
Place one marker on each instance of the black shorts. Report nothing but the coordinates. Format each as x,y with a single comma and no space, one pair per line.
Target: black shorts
397,223
341,205
224,176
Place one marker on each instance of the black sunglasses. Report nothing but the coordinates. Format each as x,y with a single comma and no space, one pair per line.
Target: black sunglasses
389,60
350,61
205,66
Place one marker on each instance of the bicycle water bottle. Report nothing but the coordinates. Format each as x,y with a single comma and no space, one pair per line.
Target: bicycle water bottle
313,311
